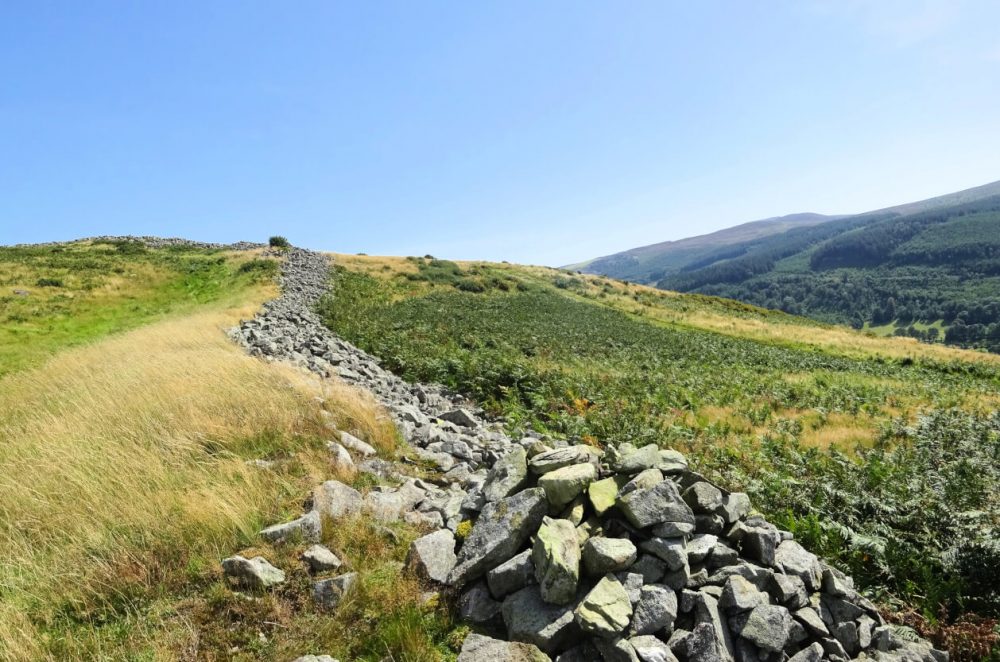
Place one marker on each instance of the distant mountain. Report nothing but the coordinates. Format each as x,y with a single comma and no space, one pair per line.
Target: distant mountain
648,264
929,269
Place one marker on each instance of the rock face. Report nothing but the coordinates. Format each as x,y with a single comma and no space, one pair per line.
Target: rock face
691,574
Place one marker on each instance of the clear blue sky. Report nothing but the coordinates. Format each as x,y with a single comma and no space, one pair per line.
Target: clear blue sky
541,132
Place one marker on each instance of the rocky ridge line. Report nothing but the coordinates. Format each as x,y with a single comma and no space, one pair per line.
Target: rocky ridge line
574,554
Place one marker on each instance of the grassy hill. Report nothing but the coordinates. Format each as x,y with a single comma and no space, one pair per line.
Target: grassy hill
926,269
849,440
128,422
129,425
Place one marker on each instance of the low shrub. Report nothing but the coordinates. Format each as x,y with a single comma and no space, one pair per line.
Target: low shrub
277,241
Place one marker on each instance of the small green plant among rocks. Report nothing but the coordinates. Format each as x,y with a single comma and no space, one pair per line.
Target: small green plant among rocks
277,241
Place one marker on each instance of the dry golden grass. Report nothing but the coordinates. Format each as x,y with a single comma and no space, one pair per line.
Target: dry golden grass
124,461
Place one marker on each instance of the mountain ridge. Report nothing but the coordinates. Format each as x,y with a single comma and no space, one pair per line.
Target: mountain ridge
652,262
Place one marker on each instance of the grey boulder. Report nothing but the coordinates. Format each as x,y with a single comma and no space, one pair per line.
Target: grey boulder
499,532
432,557
252,573
478,648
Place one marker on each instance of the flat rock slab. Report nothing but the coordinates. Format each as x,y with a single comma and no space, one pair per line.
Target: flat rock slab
321,559
605,611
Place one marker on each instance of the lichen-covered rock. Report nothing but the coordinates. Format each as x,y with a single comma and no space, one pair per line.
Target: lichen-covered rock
650,649
704,498
562,457
767,627
603,555
656,610
321,559
329,593
335,500
662,503
305,528
533,620
563,485
740,595
476,605
603,494
556,555
605,611
638,460
672,551
508,476
793,559
499,532
511,575
616,650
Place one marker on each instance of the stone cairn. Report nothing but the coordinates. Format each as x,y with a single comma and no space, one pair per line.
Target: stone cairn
573,554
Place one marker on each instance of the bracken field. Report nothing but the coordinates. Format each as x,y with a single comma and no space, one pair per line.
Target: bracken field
881,454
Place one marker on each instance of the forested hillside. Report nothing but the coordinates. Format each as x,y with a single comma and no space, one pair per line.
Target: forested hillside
933,275
928,269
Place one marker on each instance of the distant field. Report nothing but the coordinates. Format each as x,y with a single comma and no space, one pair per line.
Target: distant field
58,296
837,434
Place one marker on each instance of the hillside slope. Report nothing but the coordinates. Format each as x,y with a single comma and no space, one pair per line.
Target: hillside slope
925,269
647,264
932,274
834,440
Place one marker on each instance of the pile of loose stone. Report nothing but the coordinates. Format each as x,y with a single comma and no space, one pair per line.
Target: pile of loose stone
572,554
632,556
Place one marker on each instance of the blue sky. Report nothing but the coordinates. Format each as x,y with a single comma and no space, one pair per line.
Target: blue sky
540,132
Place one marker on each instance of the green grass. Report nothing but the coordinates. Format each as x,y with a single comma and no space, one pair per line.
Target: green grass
816,430
79,292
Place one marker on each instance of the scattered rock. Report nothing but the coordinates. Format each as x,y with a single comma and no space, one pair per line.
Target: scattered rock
305,528
335,500
432,557
350,442
252,573
329,593
321,559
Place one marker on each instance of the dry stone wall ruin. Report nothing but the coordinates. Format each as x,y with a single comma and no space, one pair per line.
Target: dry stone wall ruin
573,553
